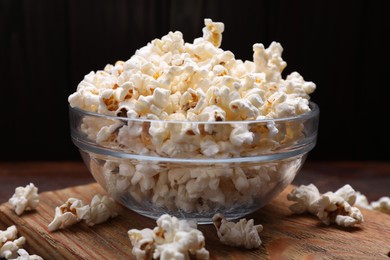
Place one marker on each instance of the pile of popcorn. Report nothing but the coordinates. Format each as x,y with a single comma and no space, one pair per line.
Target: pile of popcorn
175,238
11,246
176,99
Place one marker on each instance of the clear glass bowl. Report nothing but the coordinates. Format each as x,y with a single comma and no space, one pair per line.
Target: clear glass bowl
193,170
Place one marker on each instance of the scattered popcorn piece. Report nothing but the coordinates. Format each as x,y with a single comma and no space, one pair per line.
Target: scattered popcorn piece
143,243
8,235
240,234
66,214
100,209
10,248
171,239
24,198
305,197
24,255
331,207
382,205
362,201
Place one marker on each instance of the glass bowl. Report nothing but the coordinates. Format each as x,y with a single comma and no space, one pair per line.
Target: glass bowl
193,170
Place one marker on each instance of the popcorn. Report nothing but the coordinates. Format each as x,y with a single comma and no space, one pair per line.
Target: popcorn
168,76
143,243
24,198
100,210
73,211
171,239
362,201
8,235
24,255
176,93
66,214
331,207
383,205
241,234
11,245
9,249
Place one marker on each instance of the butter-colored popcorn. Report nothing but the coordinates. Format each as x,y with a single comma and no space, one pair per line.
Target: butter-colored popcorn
331,207
66,214
24,255
240,234
9,249
98,211
172,238
24,199
213,32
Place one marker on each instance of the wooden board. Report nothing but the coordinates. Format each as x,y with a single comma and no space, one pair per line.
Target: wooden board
285,236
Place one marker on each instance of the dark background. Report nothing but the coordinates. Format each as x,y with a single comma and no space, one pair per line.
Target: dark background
46,48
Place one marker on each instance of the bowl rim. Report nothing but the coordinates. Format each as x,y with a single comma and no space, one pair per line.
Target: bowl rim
314,112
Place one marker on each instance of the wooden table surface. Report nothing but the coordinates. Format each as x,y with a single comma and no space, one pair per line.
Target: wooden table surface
284,237
370,178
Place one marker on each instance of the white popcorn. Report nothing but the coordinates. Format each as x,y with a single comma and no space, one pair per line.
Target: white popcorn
331,207
171,239
98,211
240,234
24,255
362,201
240,135
182,91
8,235
9,249
143,243
24,198
11,245
107,132
66,214
382,205
305,197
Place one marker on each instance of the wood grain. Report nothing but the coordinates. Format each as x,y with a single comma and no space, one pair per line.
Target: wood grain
285,236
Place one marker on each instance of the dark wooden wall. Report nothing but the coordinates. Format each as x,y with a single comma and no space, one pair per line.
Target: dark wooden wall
46,47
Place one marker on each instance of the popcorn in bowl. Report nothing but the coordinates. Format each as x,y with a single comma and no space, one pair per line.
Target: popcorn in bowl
188,129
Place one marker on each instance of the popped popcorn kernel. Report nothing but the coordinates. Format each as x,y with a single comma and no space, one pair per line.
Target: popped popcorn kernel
243,233
24,199
9,249
24,255
172,238
331,207
382,205
66,214
98,211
